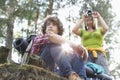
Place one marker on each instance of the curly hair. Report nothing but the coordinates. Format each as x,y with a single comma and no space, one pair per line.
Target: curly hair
55,20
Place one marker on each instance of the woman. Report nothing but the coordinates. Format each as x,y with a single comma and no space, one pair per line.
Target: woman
49,48
92,37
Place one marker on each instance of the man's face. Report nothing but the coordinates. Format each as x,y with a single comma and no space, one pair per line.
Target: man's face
51,27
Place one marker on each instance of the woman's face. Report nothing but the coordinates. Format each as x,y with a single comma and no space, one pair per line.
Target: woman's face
51,27
88,19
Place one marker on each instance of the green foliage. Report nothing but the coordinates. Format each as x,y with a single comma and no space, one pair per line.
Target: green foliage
2,5
1,34
28,10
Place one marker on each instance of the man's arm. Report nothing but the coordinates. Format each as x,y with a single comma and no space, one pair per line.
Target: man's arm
60,40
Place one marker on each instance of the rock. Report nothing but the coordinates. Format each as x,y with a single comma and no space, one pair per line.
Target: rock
26,72
36,60
33,70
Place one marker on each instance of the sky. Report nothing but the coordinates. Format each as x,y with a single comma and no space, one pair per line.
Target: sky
116,8
116,52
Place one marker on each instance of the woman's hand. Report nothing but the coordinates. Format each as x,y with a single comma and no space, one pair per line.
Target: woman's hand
84,16
96,15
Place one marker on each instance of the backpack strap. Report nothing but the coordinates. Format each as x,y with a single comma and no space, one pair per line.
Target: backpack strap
25,56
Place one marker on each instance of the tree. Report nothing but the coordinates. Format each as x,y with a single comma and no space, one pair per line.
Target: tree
12,9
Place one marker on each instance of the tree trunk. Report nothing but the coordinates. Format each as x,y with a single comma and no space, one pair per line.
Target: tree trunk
3,54
9,37
50,9
10,26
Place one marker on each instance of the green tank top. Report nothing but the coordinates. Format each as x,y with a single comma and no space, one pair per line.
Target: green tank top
92,39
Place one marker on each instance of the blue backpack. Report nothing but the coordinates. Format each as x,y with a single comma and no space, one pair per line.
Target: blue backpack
95,67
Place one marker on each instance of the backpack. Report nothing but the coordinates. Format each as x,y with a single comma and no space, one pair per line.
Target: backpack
21,44
95,67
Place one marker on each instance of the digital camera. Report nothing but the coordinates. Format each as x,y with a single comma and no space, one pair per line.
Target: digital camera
89,12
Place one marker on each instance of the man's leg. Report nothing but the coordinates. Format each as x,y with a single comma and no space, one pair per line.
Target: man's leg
47,58
78,65
60,58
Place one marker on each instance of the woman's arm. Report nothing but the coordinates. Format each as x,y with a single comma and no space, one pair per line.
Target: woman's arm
102,22
103,25
76,29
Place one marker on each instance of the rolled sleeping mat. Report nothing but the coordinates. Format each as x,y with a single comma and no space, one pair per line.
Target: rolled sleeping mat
20,44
